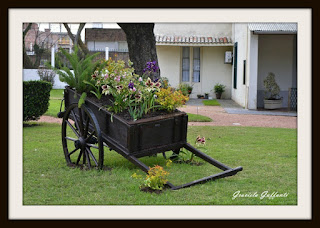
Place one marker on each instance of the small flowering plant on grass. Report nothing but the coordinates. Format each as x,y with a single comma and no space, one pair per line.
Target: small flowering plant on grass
156,178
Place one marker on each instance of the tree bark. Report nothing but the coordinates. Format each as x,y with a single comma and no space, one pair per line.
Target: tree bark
142,45
76,39
26,60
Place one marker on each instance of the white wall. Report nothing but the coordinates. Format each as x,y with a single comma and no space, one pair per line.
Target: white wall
277,55
101,45
240,35
213,70
169,59
31,74
196,29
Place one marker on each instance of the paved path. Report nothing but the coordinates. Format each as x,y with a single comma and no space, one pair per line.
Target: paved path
228,114
231,114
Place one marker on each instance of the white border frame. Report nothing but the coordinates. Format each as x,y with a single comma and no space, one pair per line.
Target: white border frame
16,208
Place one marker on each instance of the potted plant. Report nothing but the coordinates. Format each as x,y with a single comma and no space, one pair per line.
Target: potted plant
272,100
206,96
218,90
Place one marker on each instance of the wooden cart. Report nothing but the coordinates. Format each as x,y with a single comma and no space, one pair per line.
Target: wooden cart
86,131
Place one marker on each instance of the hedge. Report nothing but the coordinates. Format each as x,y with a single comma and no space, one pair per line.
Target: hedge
36,95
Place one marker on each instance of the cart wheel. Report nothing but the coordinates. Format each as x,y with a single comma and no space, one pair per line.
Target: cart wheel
81,138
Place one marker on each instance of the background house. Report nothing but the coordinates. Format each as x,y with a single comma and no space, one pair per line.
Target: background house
260,48
195,54
97,39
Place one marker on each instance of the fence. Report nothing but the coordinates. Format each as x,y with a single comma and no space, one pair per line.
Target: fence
293,98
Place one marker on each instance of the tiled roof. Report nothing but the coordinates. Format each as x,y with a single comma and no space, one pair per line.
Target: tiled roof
273,27
190,40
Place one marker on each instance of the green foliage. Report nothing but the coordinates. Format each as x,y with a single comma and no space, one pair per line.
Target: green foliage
170,99
185,89
83,69
272,89
219,88
36,96
82,99
198,118
156,179
212,102
46,75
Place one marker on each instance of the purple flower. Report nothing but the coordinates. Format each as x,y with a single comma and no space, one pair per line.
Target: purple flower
131,85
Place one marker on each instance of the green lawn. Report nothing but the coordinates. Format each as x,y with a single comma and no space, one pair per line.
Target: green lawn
268,157
198,118
213,102
56,95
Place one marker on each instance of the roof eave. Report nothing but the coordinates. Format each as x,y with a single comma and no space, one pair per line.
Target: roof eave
274,32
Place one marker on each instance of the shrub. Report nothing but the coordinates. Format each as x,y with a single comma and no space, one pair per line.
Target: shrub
170,99
36,96
46,75
185,89
219,88
156,179
272,88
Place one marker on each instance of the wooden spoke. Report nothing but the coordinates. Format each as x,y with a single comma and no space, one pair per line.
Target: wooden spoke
91,145
75,120
71,139
84,135
72,128
81,122
89,137
73,151
86,126
92,156
79,157
87,158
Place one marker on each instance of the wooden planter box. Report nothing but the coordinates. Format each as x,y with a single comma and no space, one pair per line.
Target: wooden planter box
138,138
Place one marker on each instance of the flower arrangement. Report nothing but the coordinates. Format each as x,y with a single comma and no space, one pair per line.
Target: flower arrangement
127,91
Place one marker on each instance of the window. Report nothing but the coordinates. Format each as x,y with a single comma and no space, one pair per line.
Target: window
187,52
244,72
185,64
196,64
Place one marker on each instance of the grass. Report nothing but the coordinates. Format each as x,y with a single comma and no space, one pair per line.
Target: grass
268,157
213,102
56,95
198,118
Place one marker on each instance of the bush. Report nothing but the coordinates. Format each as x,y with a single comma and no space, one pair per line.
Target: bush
46,75
36,96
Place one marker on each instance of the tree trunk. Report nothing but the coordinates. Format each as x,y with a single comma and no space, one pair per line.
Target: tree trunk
26,60
142,45
77,39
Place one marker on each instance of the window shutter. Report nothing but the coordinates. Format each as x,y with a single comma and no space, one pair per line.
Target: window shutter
235,60
244,71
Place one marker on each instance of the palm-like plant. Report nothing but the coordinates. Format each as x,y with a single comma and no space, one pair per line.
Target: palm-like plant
83,68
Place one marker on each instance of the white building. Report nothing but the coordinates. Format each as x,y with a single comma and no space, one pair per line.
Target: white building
196,54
